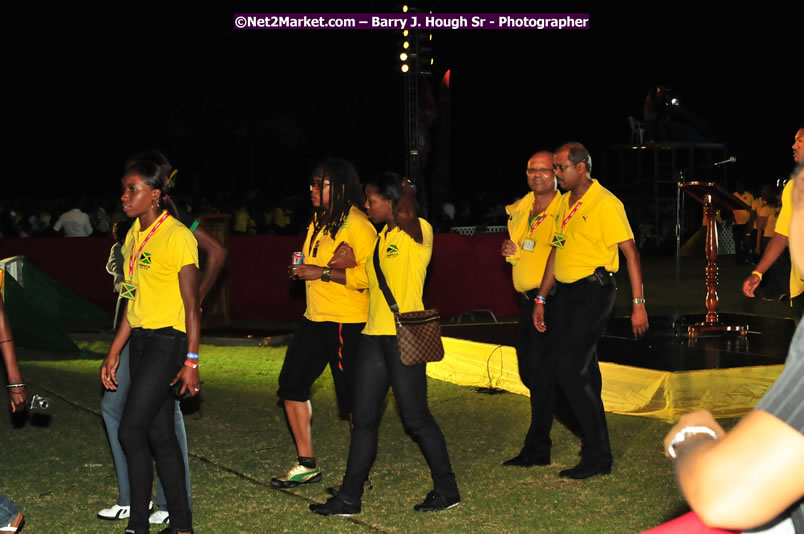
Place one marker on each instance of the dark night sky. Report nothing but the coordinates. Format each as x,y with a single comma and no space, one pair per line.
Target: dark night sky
262,107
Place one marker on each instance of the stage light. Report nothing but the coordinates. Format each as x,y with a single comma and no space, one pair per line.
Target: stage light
674,101
404,9
405,33
403,56
406,45
405,67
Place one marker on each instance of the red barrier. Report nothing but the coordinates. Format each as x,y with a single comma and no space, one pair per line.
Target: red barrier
466,273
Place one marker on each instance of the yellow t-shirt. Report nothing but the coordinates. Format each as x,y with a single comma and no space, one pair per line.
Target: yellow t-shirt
330,301
404,264
528,266
742,216
783,227
158,302
592,234
755,206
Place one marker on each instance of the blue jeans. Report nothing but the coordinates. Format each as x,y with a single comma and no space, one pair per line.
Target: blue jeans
7,510
112,409
377,368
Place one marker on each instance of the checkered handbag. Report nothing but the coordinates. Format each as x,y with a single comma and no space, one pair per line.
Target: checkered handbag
419,336
418,332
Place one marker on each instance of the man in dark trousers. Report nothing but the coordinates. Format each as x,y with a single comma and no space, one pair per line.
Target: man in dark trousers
531,222
591,228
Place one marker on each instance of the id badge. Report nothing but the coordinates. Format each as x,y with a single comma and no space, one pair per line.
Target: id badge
528,245
558,240
128,290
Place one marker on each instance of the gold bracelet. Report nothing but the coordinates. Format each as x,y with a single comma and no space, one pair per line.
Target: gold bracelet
758,274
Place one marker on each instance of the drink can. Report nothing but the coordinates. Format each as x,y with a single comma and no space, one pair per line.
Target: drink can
297,258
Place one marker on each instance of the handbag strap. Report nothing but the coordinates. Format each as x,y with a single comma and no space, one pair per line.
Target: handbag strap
389,297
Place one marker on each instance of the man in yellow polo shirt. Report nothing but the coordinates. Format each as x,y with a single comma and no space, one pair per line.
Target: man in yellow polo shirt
530,225
778,243
591,229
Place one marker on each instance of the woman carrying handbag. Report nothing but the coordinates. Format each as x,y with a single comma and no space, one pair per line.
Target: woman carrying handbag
402,253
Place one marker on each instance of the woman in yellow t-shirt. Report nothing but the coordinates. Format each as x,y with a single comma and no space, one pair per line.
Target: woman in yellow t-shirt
404,247
162,320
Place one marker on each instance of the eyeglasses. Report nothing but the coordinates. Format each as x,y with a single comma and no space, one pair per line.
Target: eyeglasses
561,168
532,172
318,184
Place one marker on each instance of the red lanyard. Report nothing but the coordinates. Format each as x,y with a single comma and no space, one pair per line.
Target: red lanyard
536,222
568,217
132,258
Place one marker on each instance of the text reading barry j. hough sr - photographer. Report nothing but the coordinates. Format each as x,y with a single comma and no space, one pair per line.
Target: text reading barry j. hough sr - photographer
411,21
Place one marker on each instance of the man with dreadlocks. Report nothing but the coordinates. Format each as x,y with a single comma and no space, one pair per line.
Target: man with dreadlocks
337,306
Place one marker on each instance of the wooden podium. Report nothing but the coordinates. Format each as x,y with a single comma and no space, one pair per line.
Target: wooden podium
713,197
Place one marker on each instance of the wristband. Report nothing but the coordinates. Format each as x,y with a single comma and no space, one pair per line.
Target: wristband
18,385
685,432
638,300
541,299
758,274
190,363
192,355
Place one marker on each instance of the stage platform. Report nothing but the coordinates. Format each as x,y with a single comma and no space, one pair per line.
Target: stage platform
661,376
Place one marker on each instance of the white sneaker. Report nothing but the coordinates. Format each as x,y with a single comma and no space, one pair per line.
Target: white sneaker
159,517
118,512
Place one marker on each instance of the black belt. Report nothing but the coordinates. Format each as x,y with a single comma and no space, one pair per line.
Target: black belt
530,294
602,277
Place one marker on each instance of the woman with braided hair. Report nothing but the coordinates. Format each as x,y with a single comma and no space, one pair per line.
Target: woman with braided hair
337,306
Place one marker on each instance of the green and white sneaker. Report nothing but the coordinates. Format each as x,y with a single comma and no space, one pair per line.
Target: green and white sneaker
298,474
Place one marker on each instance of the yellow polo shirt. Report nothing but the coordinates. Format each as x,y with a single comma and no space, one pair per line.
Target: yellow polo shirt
528,266
330,301
772,213
592,234
404,264
783,227
158,302
755,206
742,216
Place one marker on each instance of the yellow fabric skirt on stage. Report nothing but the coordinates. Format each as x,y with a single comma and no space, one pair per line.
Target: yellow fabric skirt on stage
627,390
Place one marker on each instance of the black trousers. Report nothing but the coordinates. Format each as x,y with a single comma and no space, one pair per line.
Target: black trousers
314,345
377,368
576,318
742,244
545,401
147,426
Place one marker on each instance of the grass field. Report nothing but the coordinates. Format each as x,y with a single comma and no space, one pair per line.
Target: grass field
60,473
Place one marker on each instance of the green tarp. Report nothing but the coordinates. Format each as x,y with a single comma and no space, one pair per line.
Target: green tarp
43,311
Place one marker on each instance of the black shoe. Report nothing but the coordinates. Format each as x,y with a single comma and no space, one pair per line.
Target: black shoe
367,485
525,460
171,531
587,468
436,501
336,506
